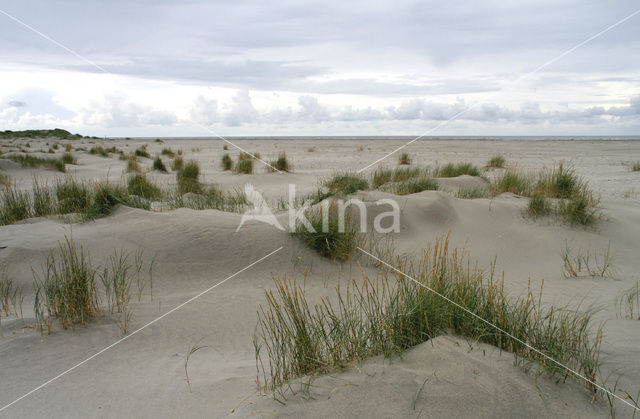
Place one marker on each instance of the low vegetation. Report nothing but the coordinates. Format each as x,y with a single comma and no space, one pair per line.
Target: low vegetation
244,164
411,186
558,191
579,263
404,158
11,296
188,178
281,163
33,161
629,302
142,152
177,163
227,162
332,238
168,152
635,167
473,192
104,152
342,184
455,170
159,165
40,133
496,161
67,287
132,165
391,313
139,185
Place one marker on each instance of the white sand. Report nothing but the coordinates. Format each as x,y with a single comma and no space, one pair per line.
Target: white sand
144,375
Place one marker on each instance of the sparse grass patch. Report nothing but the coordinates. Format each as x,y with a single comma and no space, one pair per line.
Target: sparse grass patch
33,161
159,165
11,296
281,163
513,181
473,193
188,178
587,263
390,314
539,206
496,161
629,302
104,152
227,162
455,170
635,167
244,164
67,158
43,199
177,163
139,185
337,240
382,175
66,288
142,152
225,147
5,180
411,186
132,165
404,158
15,205
345,183
73,196
168,152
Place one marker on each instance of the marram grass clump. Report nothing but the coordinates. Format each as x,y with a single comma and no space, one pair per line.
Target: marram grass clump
244,164
496,161
227,162
281,163
188,178
391,313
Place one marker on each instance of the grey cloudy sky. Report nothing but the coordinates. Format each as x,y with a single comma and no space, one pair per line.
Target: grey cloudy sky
305,68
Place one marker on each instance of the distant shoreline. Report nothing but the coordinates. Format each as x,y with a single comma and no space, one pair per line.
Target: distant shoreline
407,138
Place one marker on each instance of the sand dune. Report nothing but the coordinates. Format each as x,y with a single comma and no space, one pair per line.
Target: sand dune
144,375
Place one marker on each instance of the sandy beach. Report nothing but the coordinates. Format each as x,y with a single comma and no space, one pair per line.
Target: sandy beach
193,250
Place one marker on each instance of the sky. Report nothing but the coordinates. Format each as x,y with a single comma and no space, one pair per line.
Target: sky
207,68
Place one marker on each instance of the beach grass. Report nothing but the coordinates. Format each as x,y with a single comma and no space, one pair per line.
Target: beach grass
282,163
244,164
331,237
455,170
390,314
404,158
227,162
188,178
344,183
496,160
177,163
138,184
27,160
159,165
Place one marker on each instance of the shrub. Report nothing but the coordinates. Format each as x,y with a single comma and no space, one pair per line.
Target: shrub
404,158
333,242
281,163
188,178
391,313
496,161
159,165
244,164
455,170
177,163
72,196
139,185
227,162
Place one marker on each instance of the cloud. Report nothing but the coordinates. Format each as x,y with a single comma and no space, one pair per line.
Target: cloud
204,111
242,110
17,104
118,111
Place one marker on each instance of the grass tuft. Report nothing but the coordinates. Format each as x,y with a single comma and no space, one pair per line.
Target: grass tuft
455,170
227,162
404,158
281,163
33,161
346,183
139,185
332,238
496,161
244,164
159,165
188,178
142,152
